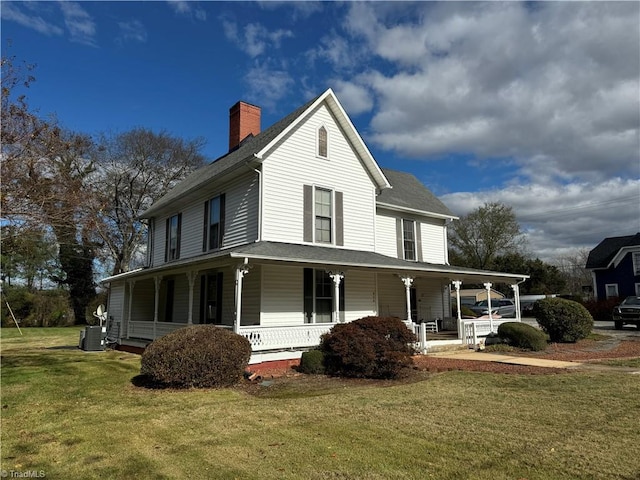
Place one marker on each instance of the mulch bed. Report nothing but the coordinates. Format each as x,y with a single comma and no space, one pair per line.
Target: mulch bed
582,351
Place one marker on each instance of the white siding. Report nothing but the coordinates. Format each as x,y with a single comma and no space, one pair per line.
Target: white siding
430,298
143,305
360,294
116,301
391,297
282,296
386,243
251,297
294,163
241,218
433,243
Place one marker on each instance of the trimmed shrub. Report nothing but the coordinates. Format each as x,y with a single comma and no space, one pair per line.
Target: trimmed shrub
564,320
370,347
521,335
200,356
312,362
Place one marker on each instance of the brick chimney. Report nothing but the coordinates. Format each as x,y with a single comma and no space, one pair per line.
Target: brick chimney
244,119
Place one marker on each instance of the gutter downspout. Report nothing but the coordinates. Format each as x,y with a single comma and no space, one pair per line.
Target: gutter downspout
516,292
260,198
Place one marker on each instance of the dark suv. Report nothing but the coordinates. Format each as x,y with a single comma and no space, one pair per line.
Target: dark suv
628,312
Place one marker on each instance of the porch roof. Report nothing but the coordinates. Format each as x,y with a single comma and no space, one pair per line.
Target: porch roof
312,255
339,257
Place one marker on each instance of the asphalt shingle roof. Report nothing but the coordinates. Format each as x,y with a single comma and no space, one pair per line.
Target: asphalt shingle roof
601,256
409,192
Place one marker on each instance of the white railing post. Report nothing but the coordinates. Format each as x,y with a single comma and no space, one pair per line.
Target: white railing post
456,285
488,287
423,337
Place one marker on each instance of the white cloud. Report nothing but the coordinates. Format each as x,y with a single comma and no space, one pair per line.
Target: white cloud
559,218
299,10
188,9
268,85
354,98
555,86
132,30
79,23
254,39
12,11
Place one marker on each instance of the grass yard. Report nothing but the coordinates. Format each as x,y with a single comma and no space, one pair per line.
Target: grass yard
76,415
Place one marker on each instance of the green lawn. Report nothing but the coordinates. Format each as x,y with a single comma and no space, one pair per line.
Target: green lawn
74,414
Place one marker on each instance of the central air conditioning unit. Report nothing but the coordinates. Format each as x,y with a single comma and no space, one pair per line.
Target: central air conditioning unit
93,338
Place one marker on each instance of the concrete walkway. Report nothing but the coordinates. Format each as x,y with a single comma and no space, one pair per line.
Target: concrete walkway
500,358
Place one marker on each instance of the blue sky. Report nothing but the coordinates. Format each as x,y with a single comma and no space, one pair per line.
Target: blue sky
536,105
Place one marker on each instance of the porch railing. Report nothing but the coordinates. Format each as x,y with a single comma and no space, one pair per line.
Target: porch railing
295,336
145,330
473,329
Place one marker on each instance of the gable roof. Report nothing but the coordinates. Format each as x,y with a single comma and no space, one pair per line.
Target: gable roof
409,194
254,147
607,249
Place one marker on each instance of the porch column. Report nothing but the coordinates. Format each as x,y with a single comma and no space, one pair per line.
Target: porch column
516,298
241,271
132,284
191,277
408,281
156,282
488,287
456,285
337,278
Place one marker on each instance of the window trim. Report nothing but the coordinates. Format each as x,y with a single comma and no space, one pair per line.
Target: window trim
405,240
606,290
168,255
637,289
206,234
320,129
635,260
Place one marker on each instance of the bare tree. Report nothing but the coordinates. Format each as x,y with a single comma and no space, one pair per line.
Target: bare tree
478,238
43,169
572,265
134,169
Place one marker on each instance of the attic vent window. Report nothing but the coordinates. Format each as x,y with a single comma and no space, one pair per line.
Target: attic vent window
322,142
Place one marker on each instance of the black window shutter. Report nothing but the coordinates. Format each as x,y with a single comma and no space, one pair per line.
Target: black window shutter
179,235
166,239
308,214
308,295
399,238
222,220
339,219
205,228
418,242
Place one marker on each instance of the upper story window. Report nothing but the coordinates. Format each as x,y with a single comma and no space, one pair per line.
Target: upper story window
611,290
635,256
409,239
213,223
323,215
172,243
323,142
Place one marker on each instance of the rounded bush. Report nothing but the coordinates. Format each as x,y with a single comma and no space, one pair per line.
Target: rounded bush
522,335
200,356
312,362
370,347
563,320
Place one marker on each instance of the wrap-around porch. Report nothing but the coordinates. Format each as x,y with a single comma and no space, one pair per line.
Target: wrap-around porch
266,303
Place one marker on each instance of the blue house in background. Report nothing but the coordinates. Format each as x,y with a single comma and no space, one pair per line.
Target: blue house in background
615,267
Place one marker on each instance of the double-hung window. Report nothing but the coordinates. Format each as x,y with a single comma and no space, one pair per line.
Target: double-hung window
324,215
213,223
409,239
172,242
319,301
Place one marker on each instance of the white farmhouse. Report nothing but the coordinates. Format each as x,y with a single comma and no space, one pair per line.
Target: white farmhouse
294,229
